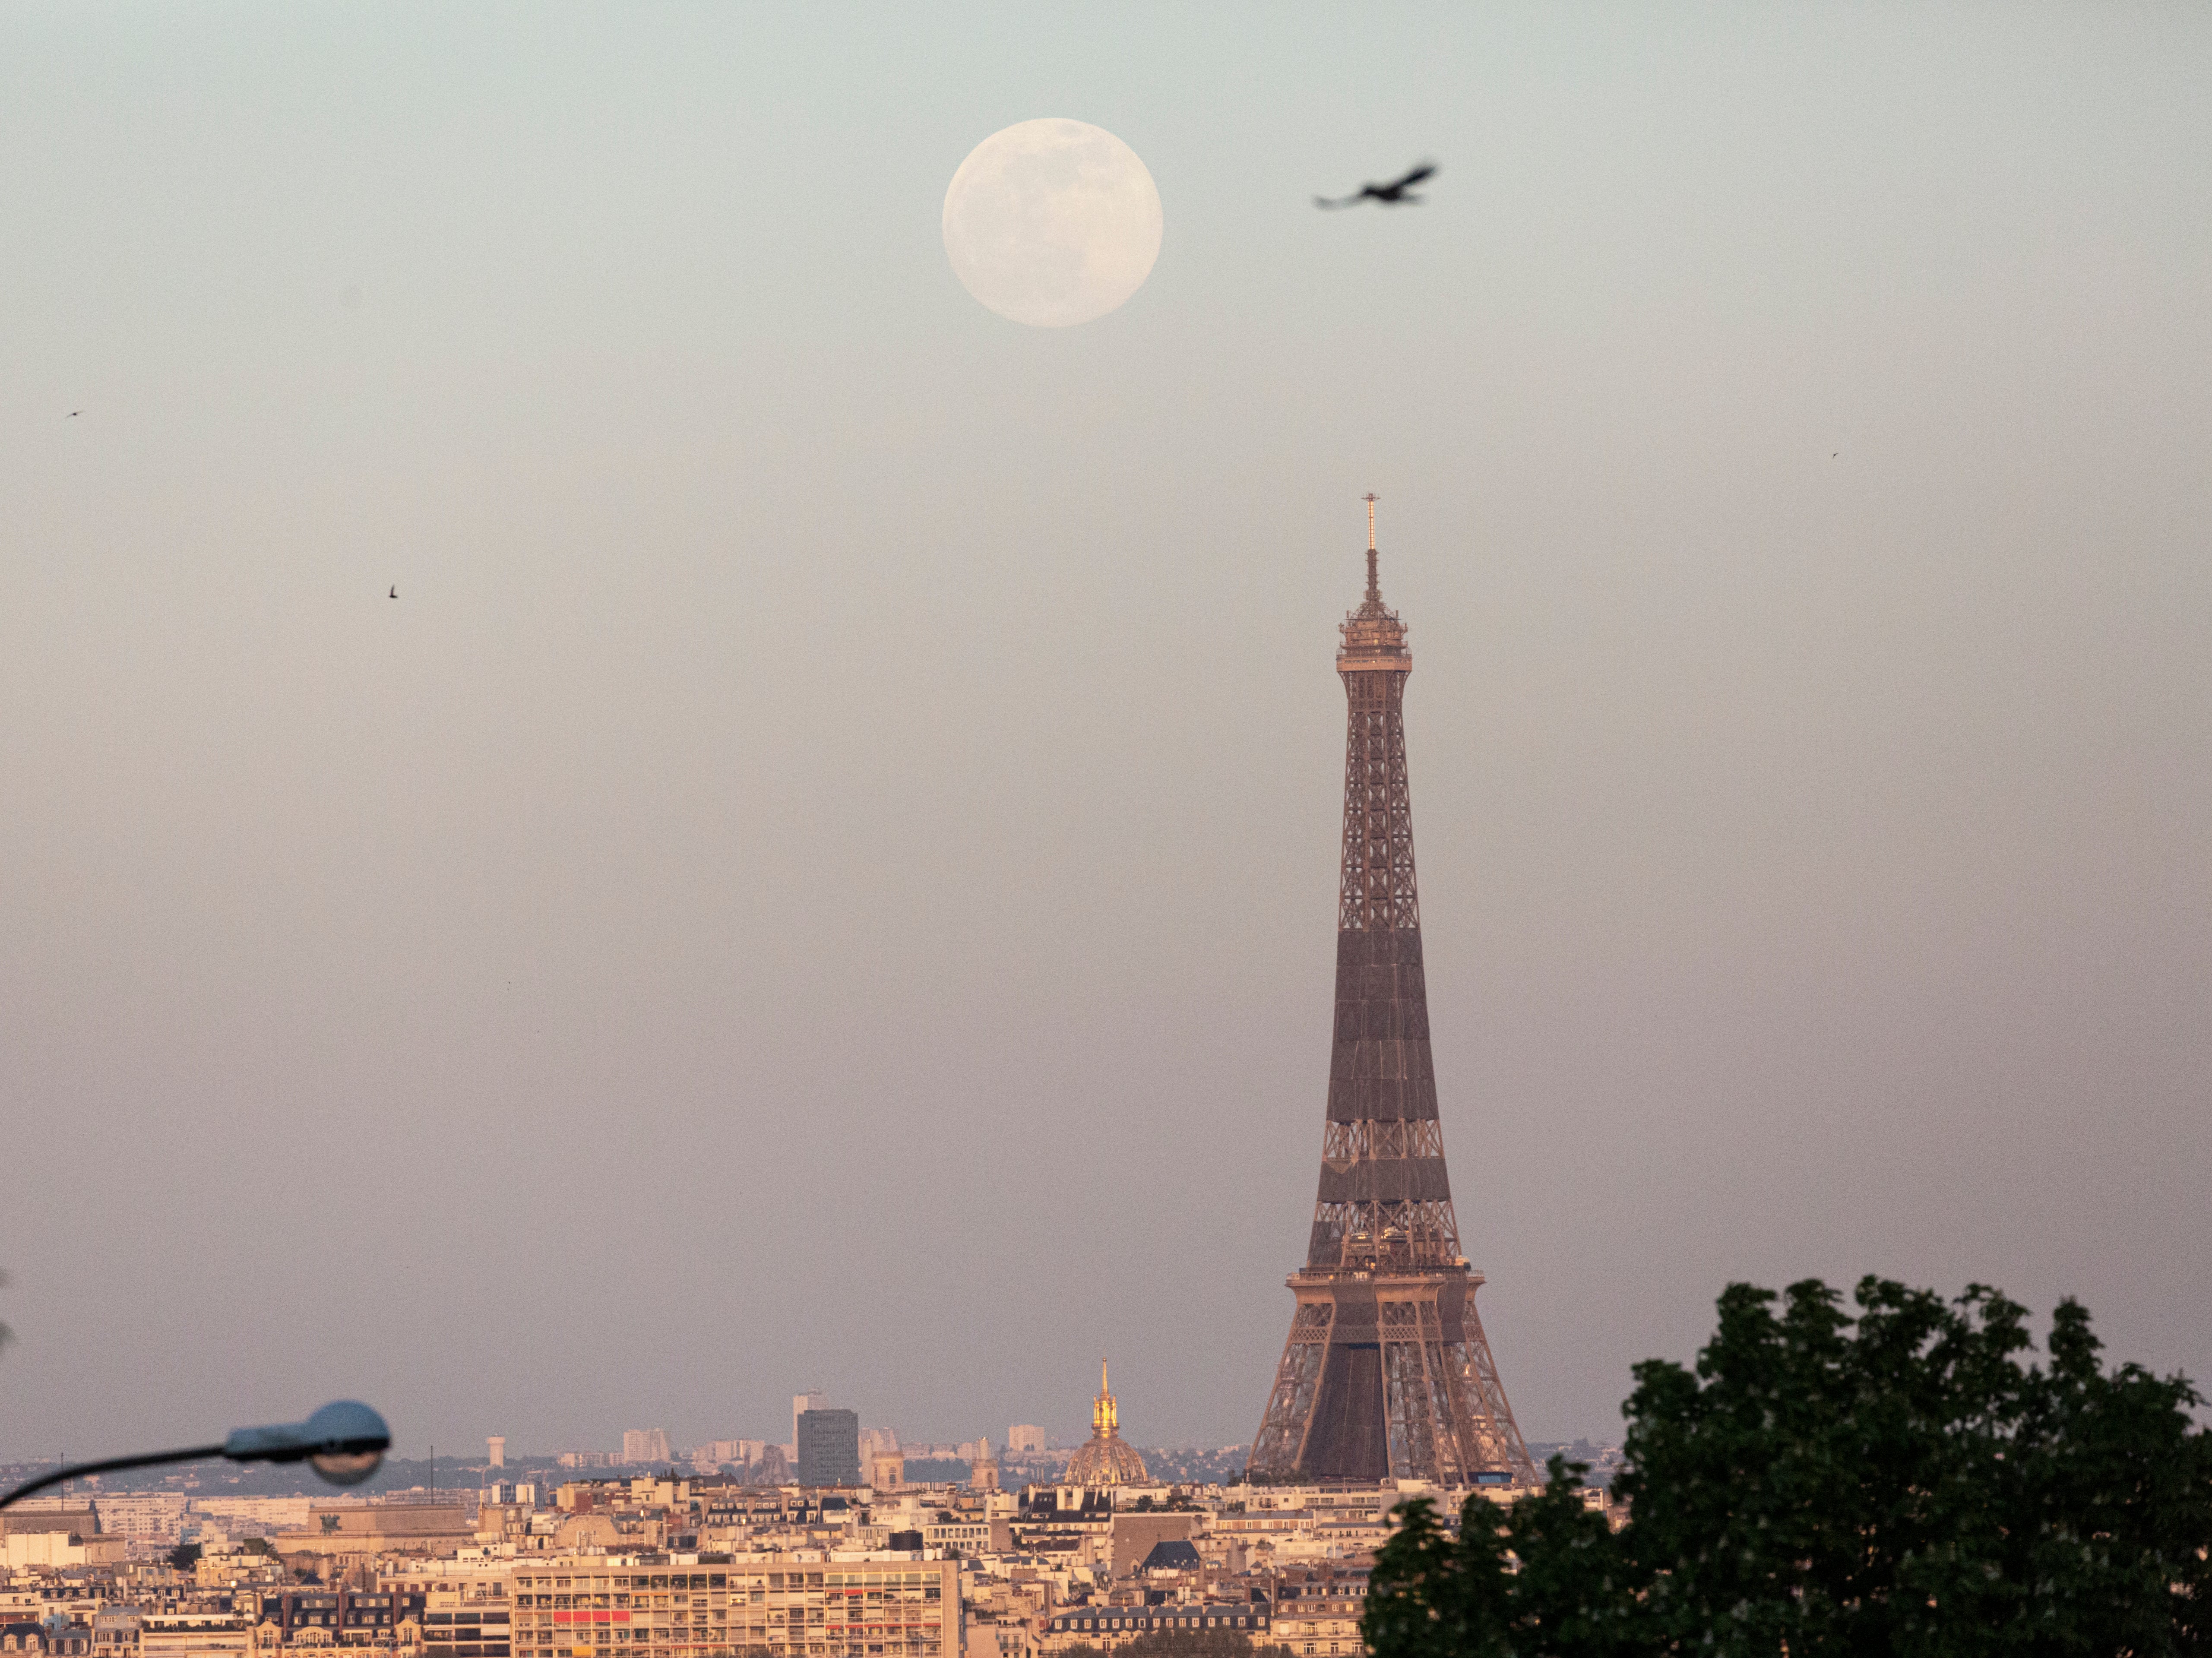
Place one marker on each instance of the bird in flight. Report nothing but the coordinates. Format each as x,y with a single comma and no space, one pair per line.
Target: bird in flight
1390,195
73,414
395,593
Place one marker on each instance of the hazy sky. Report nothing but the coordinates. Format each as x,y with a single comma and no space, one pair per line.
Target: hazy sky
825,876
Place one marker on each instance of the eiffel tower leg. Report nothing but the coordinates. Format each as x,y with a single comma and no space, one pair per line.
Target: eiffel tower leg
1280,1447
1497,1436
1447,1400
1417,1429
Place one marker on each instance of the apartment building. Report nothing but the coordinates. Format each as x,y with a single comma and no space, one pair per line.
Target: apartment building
1318,1609
115,1632
146,1518
56,1639
1108,1626
362,1529
641,1445
195,1635
260,1515
351,1618
874,1608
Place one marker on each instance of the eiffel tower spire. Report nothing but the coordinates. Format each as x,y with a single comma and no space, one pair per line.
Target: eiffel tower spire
1387,1372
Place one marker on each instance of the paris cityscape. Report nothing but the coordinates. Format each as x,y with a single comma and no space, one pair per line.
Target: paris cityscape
732,929
842,1538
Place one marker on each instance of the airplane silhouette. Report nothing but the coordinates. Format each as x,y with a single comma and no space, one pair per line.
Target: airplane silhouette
1390,195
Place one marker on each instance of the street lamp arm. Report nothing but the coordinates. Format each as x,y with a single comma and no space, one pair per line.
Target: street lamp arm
114,1464
344,1441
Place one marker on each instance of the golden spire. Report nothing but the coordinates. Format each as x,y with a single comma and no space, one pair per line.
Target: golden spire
1104,1418
1104,1460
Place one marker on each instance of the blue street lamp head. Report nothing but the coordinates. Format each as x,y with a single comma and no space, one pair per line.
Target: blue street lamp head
345,1442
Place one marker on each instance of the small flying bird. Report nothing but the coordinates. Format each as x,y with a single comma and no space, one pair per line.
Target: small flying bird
395,593
1390,195
73,414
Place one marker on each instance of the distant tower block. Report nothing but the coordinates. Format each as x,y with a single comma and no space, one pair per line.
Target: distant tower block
1025,1438
828,1448
1387,1372
498,1451
983,1471
800,1404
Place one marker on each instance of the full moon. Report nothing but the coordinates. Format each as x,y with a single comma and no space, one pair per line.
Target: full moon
1052,223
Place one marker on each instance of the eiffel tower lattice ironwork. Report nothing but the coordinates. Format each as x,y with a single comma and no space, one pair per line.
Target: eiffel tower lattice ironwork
1387,1372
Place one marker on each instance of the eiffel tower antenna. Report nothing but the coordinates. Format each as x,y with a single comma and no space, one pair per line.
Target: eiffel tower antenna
1374,588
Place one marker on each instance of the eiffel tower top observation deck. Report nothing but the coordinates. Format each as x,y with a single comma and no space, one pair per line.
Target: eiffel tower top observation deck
1373,635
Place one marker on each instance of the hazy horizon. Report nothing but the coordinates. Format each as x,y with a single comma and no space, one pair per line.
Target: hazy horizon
825,877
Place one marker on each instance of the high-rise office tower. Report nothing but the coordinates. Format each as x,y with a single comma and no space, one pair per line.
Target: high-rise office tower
828,1448
803,1402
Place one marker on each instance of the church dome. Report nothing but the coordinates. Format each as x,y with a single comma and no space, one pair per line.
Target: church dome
1104,1459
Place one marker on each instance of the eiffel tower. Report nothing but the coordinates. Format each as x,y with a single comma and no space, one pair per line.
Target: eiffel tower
1387,1372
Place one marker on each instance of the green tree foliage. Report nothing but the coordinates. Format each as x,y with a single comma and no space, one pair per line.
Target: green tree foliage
185,1556
1548,1575
1900,1482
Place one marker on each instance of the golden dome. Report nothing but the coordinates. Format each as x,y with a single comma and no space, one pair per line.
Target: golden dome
1103,1459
